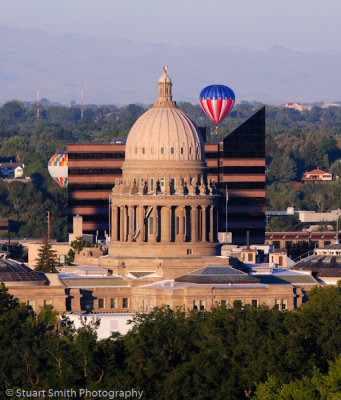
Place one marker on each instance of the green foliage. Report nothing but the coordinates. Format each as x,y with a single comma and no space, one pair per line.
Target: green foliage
287,223
78,244
47,260
229,353
296,250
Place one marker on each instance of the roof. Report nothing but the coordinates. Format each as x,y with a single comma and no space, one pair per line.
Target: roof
217,274
70,280
286,279
12,271
10,165
316,171
321,265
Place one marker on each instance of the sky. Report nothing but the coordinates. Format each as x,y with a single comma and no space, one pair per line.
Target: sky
304,25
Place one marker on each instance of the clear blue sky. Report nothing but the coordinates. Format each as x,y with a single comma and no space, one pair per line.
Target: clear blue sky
257,24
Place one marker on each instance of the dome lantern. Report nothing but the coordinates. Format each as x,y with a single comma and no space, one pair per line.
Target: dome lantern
165,96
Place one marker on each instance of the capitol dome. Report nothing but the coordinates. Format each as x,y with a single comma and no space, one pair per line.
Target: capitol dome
164,132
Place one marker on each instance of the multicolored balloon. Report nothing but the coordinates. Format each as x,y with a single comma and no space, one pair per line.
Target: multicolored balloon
217,101
57,166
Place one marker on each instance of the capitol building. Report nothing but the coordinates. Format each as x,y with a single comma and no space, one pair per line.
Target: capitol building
164,204
164,247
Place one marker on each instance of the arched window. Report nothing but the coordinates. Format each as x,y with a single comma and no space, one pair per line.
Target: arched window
190,150
162,150
172,150
182,150
143,150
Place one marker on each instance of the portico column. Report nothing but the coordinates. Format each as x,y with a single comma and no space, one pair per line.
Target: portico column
169,224
131,223
182,224
140,223
122,223
155,222
114,223
193,222
179,214
203,227
211,224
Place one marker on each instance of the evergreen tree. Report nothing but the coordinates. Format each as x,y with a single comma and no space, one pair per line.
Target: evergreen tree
47,260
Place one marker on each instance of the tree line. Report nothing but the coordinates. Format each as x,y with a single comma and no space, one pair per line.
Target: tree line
234,353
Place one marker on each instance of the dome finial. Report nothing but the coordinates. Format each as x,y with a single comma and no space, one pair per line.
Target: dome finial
165,69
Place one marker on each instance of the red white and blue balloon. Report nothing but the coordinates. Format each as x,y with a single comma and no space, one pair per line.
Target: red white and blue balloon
217,101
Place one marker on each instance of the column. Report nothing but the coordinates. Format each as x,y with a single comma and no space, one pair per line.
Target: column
131,223
179,214
156,226
193,222
122,224
211,224
203,227
182,224
169,224
114,223
140,225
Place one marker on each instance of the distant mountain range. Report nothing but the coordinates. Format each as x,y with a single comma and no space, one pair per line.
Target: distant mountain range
118,71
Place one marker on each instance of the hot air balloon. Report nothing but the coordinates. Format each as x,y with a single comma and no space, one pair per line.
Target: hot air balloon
57,167
217,101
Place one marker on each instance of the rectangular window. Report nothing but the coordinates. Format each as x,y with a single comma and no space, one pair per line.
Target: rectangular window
183,181
30,303
237,304
254,303
172,182
151,226
113,303
47,302
189,252
162,184
284,304
195,304
151,184
142,181
100,303
125,302
202,305
177,226
277,303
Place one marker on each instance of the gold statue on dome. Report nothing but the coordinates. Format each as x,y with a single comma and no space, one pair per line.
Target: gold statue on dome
165,69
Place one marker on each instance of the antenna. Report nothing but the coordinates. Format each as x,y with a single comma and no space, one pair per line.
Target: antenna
37,102
82,100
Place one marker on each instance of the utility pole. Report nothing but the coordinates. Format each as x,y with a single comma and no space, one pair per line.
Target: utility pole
48,226
82,100
9,236
38,100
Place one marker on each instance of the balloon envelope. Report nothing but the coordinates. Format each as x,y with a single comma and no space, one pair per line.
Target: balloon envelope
57,167
217,101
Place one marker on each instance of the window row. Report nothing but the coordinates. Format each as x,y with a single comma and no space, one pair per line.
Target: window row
113,303
172,150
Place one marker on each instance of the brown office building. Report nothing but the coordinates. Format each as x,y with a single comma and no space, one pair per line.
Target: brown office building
237,164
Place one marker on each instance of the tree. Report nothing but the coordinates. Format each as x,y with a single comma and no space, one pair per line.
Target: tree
79,243
289,223
47,260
